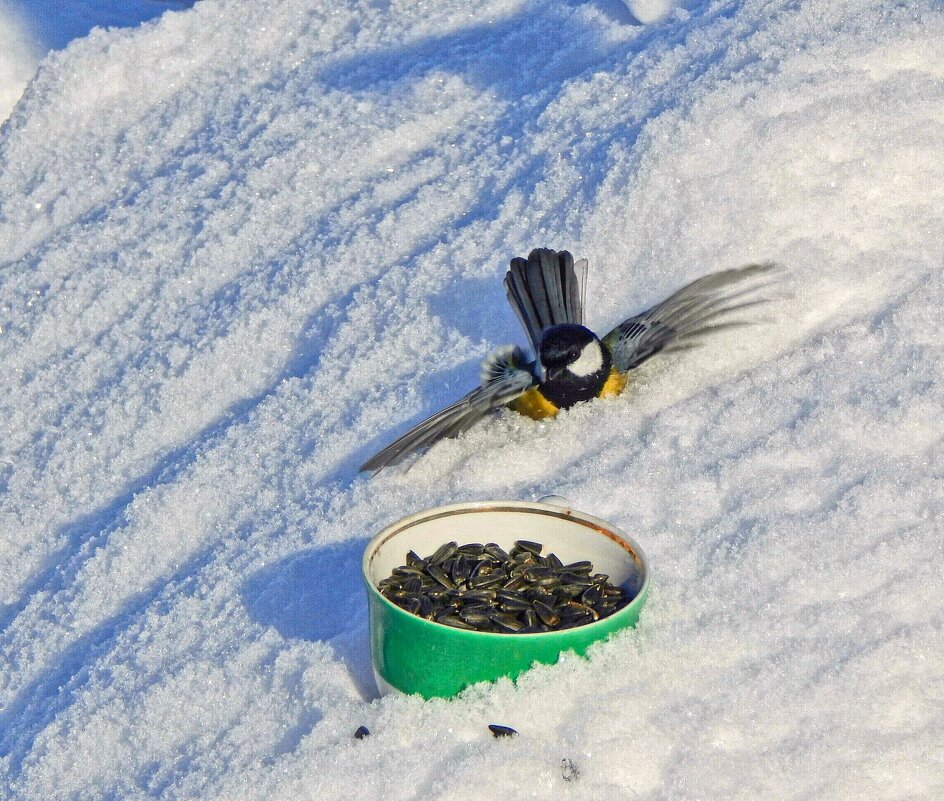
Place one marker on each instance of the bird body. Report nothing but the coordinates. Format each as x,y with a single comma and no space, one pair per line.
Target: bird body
535,404
571,363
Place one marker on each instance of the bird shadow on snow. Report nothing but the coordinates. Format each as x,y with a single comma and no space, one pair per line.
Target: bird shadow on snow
317,595
477,308
437,389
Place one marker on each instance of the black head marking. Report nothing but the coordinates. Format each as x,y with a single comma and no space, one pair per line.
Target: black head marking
574,362
562,344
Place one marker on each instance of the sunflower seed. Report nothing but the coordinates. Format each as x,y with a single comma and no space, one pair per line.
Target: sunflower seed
461,568
496,552
507,622
515,583
538,571
409,570
487,579
426,606
455,622
413,605
579,567
476,616
580,609
527,545
592,595
443,553
580,579
437,573
486,595
546,613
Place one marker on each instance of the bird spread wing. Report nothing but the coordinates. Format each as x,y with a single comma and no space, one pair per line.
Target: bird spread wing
698,309
505,376
546,289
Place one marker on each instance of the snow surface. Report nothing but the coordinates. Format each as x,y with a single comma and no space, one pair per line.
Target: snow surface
246,244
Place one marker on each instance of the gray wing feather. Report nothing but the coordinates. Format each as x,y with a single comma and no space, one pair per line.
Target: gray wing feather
505,377
696,310
578,294
545,289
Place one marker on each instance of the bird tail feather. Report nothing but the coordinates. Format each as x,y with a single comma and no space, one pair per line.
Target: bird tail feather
546,289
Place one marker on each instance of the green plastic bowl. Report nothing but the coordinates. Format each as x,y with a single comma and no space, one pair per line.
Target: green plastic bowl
414,655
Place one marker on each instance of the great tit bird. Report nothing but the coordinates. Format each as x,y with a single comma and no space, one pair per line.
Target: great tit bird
571,364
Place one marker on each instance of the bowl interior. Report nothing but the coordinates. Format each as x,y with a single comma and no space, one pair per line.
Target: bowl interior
572,536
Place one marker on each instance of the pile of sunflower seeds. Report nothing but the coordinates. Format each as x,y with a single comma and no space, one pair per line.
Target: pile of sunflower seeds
484,588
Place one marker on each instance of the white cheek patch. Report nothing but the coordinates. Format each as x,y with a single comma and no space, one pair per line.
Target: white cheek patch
589,361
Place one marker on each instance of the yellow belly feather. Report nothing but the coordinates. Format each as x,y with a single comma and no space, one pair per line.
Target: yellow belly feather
615,383
533,404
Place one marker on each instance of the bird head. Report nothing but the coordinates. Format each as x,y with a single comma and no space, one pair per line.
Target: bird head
571,352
